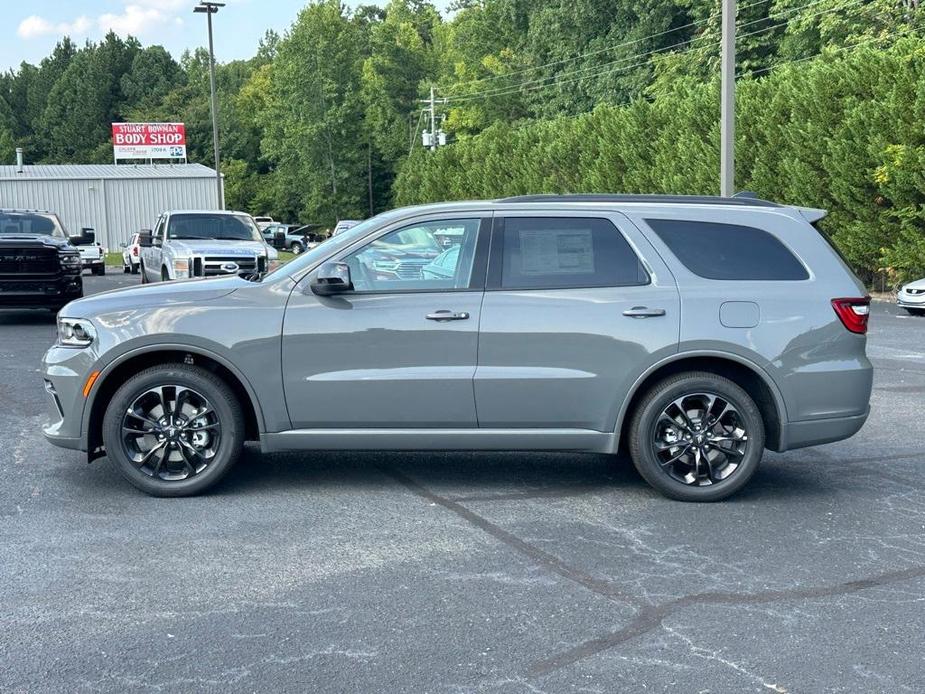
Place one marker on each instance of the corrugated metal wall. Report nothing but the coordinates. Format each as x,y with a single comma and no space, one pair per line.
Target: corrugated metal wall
115,208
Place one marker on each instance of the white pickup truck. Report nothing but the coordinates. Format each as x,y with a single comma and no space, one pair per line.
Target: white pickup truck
192,243
92,254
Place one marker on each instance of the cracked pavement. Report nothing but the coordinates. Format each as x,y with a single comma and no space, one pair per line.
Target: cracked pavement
465,572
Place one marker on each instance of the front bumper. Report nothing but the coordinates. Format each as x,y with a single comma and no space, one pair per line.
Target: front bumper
65,371
27,292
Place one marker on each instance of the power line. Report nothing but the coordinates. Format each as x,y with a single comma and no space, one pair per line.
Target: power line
592,71
606,49
825,52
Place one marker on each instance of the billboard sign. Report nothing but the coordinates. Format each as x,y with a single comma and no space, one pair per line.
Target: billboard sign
149,140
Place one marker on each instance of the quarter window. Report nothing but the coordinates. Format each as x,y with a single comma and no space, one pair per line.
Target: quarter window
728,251
565,252
436,255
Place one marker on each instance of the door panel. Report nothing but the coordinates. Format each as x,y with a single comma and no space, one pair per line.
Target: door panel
377,361
566,357
400,350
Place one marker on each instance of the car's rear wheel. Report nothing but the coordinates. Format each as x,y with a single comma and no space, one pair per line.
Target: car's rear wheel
144,275
173,430
165,277
125,268
696,436
135,268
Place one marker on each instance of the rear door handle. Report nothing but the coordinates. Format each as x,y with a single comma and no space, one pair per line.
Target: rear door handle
447,315
643,312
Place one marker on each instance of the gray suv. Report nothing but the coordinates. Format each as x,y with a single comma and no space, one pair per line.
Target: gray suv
692,332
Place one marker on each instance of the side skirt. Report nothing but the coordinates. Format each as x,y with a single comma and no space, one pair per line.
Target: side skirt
440,439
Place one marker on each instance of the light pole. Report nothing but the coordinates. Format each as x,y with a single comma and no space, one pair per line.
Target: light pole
210,8
727,115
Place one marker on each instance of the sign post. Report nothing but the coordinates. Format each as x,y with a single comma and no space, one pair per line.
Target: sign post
148,141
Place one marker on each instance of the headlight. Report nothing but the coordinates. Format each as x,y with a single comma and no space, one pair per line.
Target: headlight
181,267
70,259
75,332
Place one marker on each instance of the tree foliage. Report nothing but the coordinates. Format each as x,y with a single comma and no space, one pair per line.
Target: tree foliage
324,122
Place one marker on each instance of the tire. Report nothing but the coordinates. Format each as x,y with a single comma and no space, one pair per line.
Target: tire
193,386
144,275
729,463
165,276
916,311
296,248
125,268
99,271
135,267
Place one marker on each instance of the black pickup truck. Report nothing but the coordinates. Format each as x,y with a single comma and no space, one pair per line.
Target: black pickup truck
39,266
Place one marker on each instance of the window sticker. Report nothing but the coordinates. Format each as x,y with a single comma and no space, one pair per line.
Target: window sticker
555,251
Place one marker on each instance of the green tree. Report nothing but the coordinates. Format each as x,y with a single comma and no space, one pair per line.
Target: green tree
313,120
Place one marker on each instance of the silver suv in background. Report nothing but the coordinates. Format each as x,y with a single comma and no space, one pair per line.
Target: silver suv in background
692,332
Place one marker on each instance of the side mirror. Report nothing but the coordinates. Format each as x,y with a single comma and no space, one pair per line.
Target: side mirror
144,238
332,278
85,238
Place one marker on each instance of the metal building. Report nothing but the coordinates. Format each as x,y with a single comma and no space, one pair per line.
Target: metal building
114,200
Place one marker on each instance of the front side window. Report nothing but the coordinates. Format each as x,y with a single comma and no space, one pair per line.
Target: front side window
417,257
562,253
728,251
216,227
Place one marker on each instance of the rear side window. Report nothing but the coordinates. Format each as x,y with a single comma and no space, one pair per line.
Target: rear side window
728,251
559,253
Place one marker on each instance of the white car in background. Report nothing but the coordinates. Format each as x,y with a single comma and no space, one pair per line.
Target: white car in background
912,297
264,222
131,255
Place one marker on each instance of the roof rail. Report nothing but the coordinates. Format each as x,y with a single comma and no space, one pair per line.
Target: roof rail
677,199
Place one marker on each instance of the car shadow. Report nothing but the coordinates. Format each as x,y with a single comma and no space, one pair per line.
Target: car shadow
483,476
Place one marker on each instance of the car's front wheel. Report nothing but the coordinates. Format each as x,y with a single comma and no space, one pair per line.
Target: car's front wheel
916,311
696,436
173,430
296,248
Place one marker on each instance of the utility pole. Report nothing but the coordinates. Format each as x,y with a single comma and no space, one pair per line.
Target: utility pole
210,8
434,138
727,101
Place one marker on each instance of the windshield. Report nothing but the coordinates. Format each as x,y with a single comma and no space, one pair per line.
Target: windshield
12,223
216,227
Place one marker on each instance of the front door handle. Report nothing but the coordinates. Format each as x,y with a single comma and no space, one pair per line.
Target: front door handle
643,312
447,315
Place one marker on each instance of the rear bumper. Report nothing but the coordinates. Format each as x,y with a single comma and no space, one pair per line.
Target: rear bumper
818,431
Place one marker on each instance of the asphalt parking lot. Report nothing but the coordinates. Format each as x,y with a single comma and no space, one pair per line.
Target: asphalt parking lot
465,572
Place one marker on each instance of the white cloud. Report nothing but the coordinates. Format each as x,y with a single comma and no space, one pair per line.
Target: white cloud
137,17
135,20
35,26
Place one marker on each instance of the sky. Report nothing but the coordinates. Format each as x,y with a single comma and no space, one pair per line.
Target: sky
33,27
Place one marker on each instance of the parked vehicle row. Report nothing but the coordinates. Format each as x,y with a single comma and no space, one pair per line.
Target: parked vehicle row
694,332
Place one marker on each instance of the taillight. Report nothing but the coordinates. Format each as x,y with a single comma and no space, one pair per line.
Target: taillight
853,313
135,251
